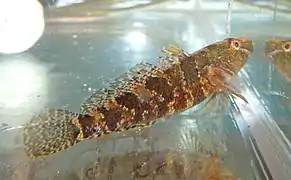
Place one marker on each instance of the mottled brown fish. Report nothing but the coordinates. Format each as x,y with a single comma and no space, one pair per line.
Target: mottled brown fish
279,52
143,95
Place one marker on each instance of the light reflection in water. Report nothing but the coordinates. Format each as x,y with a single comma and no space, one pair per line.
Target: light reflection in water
128,4
138,24
136,40
23,88
63,3
191,37
136,43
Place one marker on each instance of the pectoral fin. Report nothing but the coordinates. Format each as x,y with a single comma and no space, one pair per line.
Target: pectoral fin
217,77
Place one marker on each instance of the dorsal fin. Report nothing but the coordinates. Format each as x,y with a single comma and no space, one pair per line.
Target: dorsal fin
172,55
134,77
125,82
133,74
97,99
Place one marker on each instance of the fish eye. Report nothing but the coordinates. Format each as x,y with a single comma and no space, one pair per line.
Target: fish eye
236,44
287,47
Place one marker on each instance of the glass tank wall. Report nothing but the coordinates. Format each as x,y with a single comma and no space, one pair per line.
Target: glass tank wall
85,45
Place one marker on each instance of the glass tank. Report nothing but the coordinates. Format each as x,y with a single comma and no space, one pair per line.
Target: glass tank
57,56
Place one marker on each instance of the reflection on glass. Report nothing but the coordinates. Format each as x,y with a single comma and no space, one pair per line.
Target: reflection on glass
198,152
23,86
23,91
62,3
199,164
128,4
279,52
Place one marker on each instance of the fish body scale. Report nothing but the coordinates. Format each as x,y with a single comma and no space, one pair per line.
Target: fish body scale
143,95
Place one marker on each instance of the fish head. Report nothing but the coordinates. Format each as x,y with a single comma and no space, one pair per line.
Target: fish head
278,50
230,54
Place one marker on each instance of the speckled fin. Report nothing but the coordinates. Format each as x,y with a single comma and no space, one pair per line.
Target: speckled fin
172,55
49,132
97,99
133,78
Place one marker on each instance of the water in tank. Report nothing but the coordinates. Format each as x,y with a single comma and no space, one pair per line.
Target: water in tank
145,89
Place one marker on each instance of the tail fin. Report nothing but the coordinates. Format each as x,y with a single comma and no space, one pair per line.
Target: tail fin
50,132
